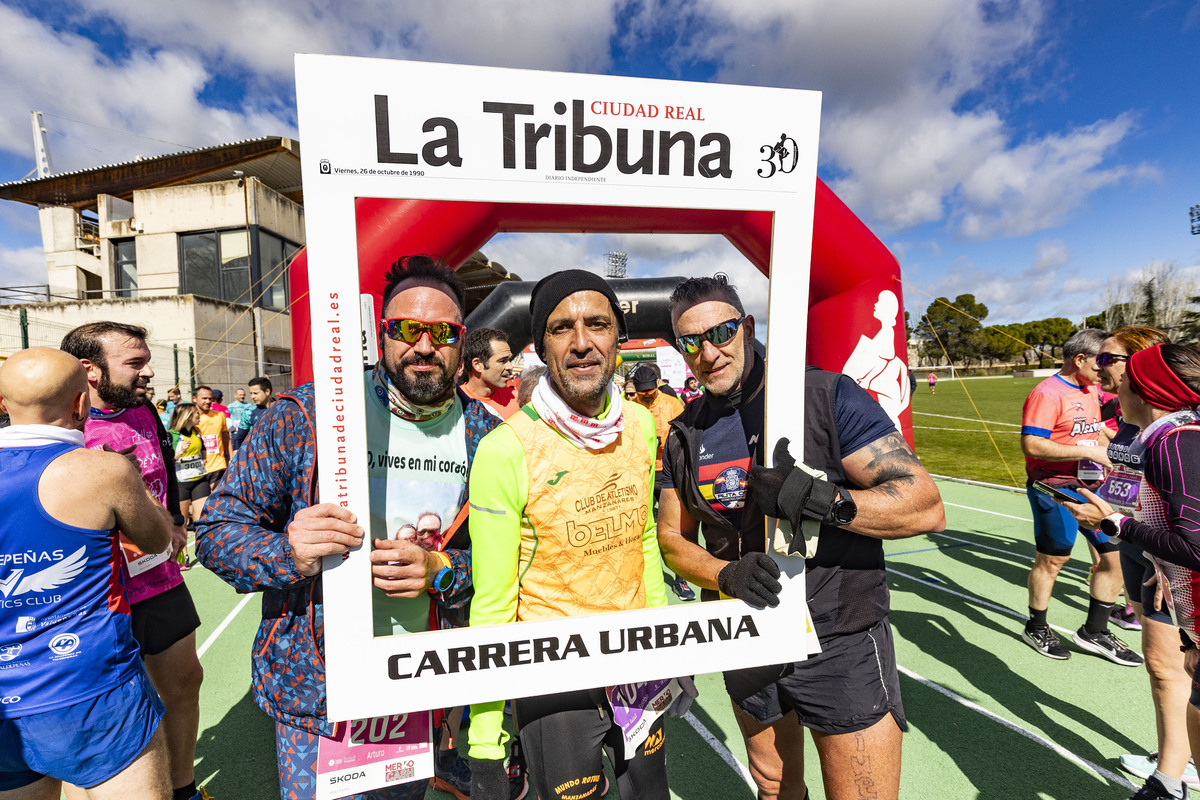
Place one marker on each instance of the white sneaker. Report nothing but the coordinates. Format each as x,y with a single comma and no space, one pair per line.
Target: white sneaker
1144,766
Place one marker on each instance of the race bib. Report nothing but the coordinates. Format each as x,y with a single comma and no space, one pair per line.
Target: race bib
636,706
368,754
211,443
138,562
189,469
1121,490
1089,470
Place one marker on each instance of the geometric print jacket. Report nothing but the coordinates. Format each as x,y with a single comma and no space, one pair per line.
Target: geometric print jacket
242,537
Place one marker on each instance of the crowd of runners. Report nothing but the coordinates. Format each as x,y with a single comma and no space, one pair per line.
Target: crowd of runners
97,630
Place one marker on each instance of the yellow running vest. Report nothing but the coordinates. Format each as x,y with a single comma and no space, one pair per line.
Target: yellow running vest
581,536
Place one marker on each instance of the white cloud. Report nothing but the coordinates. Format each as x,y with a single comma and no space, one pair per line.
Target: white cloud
24,266
1051,255
906,128
262,36
153,92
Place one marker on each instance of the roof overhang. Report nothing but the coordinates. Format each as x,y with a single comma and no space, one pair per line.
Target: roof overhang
274,160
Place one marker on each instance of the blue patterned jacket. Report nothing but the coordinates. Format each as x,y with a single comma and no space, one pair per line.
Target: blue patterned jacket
242,538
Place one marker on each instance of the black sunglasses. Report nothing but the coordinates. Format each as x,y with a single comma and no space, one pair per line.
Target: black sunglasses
718,334
1108,359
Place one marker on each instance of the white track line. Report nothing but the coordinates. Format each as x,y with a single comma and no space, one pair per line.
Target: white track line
1076,570
721,750
212,637
985,511
976,600
969,419
958,430
1033,737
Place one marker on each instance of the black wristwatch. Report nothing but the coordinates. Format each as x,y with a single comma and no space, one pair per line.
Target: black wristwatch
844,509
1111,525
177,520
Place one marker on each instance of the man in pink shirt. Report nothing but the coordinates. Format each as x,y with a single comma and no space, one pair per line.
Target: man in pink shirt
164,617
1065,444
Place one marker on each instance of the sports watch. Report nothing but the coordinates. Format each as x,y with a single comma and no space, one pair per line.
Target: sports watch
443,580
843,510
1111,525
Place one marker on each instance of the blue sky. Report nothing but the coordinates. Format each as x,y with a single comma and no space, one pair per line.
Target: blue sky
1030,152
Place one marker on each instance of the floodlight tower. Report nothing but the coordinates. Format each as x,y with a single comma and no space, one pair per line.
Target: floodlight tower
616,263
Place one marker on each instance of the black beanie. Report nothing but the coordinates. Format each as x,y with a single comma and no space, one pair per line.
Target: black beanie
552,289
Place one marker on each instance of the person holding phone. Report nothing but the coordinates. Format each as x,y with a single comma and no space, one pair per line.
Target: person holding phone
1160,393
1064,439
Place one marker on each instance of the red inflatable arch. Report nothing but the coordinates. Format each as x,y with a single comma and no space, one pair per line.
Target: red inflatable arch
850,266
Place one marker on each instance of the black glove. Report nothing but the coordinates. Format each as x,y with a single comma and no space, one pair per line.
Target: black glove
680,705
751,578
785,492
489,779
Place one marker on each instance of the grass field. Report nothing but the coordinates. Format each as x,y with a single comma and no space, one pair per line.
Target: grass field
971,428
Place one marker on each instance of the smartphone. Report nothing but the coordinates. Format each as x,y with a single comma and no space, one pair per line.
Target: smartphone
1060,493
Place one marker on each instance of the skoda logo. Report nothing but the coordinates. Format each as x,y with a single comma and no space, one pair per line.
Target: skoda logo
9,651
64,643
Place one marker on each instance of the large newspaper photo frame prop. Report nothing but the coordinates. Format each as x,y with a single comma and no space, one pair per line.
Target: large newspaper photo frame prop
376,128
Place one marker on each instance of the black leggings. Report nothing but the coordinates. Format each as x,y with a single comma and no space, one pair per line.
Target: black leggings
562,736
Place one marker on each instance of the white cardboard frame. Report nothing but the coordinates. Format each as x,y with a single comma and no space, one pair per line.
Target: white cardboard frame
365,675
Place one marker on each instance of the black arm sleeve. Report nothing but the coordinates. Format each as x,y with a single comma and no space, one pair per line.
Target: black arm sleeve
1173,468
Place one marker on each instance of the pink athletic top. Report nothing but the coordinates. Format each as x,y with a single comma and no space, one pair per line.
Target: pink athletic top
120,429
1065,413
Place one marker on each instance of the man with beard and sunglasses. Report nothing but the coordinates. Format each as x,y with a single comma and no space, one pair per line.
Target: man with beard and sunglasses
530,487
265,530
117,361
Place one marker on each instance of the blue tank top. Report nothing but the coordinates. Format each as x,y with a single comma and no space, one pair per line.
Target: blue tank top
65,633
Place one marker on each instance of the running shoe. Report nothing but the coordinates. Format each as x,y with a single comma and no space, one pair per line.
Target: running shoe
1106,645
451,773
681,588
1045,642
1144,766
518,780
202,794
1154,790
1125,618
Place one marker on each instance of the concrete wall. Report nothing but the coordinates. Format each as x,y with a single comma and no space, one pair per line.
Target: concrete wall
60,226
275,212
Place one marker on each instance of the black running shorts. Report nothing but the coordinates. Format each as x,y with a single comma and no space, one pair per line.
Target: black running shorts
162,620
847,687
194,491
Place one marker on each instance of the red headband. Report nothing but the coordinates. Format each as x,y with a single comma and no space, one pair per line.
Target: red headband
1156,383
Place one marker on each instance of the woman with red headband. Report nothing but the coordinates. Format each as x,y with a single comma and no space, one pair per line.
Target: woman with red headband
1160,393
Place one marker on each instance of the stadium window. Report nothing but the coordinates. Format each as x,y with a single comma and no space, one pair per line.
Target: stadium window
274,256
125,277
216,264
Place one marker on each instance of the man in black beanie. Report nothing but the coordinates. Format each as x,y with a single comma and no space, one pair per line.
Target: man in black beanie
561,525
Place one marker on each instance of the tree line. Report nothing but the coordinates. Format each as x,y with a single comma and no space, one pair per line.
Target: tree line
1159,295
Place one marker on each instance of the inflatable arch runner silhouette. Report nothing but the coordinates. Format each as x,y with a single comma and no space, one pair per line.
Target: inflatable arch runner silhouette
850,266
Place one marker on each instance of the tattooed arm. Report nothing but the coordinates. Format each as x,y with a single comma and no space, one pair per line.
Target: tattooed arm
897,498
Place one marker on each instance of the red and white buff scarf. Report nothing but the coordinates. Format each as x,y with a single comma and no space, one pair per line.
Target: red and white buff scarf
586,432
401,406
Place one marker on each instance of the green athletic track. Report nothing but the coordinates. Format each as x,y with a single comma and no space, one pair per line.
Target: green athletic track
989,717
